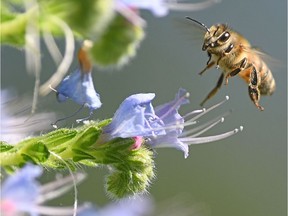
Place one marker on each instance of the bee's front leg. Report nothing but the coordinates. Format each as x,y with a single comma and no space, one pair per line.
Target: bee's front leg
214,90
224,53
208,64
253,89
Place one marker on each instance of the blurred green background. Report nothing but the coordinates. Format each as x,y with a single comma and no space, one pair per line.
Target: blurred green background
243,175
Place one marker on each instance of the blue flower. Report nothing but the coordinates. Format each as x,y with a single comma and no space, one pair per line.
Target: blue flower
135,206
134,117
173,121
175,124
21,193
159,8
164,126
79,87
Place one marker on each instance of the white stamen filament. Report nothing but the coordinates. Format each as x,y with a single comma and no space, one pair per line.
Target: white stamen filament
194,112
74,182
200,140
204,129
192,120
56,78
178,125
174,5
52,47
32,49
202,126
209,109
55,211
58,187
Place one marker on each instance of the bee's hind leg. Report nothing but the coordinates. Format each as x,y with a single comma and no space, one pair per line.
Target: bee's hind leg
253,89
214,90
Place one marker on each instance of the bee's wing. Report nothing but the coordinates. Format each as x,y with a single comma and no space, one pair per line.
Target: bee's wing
191,30
268,59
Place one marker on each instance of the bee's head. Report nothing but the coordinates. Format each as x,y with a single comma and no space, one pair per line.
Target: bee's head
216,36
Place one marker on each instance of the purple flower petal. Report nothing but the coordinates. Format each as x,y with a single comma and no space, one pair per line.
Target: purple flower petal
134,117
157,7
79,87
168,112
135,206
174,123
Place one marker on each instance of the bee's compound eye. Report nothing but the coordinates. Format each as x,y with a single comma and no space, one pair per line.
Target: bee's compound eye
224,37
212,44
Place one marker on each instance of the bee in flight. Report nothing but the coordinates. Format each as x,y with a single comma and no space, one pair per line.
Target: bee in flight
231,52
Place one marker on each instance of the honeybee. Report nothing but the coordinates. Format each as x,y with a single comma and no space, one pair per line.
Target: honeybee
231,52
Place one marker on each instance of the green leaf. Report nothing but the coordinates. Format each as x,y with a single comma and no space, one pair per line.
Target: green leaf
4,146
58,137
80,155
87,138
36,152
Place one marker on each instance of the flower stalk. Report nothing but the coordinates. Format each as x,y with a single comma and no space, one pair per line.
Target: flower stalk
78,146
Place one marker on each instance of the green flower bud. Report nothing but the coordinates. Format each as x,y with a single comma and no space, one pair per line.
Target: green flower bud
87,18
117,44
132,175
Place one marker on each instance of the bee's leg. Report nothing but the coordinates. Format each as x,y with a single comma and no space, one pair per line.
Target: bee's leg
209,58
208,64
217,64
224,53
253,89
243,65
214,90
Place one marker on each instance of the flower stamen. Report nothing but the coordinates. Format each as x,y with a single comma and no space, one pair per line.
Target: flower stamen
209,109
200,140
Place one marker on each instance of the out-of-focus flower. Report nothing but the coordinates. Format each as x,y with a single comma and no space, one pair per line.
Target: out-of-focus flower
21,193
15,125
163,127
135,206
79,86
160,8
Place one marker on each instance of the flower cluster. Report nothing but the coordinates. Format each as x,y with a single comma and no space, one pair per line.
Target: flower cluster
119,142
162,126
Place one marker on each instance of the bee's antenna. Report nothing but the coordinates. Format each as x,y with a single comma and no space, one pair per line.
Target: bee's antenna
196,21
